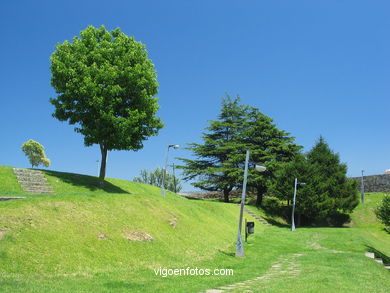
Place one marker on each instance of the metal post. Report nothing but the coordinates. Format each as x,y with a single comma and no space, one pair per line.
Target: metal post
165,170
362,186
293,207
239,245
246,231
174,177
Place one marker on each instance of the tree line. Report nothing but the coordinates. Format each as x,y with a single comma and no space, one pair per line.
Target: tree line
328,195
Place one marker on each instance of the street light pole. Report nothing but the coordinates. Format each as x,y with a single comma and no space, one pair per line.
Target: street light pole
175,146
174,177
362,186
239,245
293,207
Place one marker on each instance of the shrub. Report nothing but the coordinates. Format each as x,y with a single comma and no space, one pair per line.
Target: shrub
383,212
272,206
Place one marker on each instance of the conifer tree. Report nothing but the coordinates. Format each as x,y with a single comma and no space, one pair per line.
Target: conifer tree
216,167
269,146
220,159
328,195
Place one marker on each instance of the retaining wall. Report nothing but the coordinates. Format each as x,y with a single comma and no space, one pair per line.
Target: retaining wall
375,183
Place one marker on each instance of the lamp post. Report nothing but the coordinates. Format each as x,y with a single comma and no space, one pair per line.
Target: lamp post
293,207
174,177
175,146
362,186
239,245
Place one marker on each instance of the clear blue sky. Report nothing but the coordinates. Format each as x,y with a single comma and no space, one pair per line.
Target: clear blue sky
315,67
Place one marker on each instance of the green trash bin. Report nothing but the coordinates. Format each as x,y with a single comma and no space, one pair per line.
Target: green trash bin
250,227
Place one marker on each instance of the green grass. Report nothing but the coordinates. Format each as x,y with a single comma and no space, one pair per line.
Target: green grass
51,243
9,184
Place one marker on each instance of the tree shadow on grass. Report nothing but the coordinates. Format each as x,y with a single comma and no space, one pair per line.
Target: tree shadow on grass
276,223
231,254
379,254
90,182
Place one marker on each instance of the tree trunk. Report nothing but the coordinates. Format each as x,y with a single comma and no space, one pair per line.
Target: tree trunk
102,175
226,195
260,191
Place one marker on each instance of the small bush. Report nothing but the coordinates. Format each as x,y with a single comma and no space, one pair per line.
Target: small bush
383,212
272,206
338,219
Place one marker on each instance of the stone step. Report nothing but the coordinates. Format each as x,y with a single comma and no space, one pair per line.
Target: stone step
3,198
38,191
379,260
32,181
370,254
34,175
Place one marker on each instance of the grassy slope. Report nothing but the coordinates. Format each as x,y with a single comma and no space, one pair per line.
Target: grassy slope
51,244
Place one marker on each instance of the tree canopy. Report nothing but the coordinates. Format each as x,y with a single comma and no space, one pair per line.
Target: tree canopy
35,153
106,87
328,194
219,161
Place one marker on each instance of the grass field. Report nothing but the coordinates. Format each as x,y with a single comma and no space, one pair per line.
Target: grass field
75,240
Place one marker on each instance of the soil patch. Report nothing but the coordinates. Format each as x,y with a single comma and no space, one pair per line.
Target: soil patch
138,236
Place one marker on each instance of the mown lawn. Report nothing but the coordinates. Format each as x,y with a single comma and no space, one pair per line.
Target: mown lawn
51,243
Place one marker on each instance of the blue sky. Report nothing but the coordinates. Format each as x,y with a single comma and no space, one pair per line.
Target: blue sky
315,67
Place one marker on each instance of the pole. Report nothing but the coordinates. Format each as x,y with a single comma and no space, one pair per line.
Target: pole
246,231
362,186
239,245
293,207
174,178
165,170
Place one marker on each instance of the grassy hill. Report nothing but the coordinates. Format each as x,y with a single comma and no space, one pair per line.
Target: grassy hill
77,240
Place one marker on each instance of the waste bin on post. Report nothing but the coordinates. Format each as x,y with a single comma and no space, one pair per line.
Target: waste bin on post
250,227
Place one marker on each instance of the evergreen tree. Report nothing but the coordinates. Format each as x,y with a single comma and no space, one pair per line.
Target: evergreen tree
220,159
269,147
216,167
328,194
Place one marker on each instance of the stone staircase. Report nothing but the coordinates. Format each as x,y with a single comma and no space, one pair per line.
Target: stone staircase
32,181
377,259
256,217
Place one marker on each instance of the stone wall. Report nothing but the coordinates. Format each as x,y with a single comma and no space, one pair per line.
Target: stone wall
375,183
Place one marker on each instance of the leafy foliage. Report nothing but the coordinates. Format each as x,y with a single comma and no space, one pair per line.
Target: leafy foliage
328,194
383,212
155,178
220,159
106,86
35,153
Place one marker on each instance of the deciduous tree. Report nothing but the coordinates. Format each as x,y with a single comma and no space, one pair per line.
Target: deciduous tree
155,178
106,87
35,153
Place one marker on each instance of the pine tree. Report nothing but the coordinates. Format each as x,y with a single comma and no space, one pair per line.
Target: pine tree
216,167
328,195
269,147
220,159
